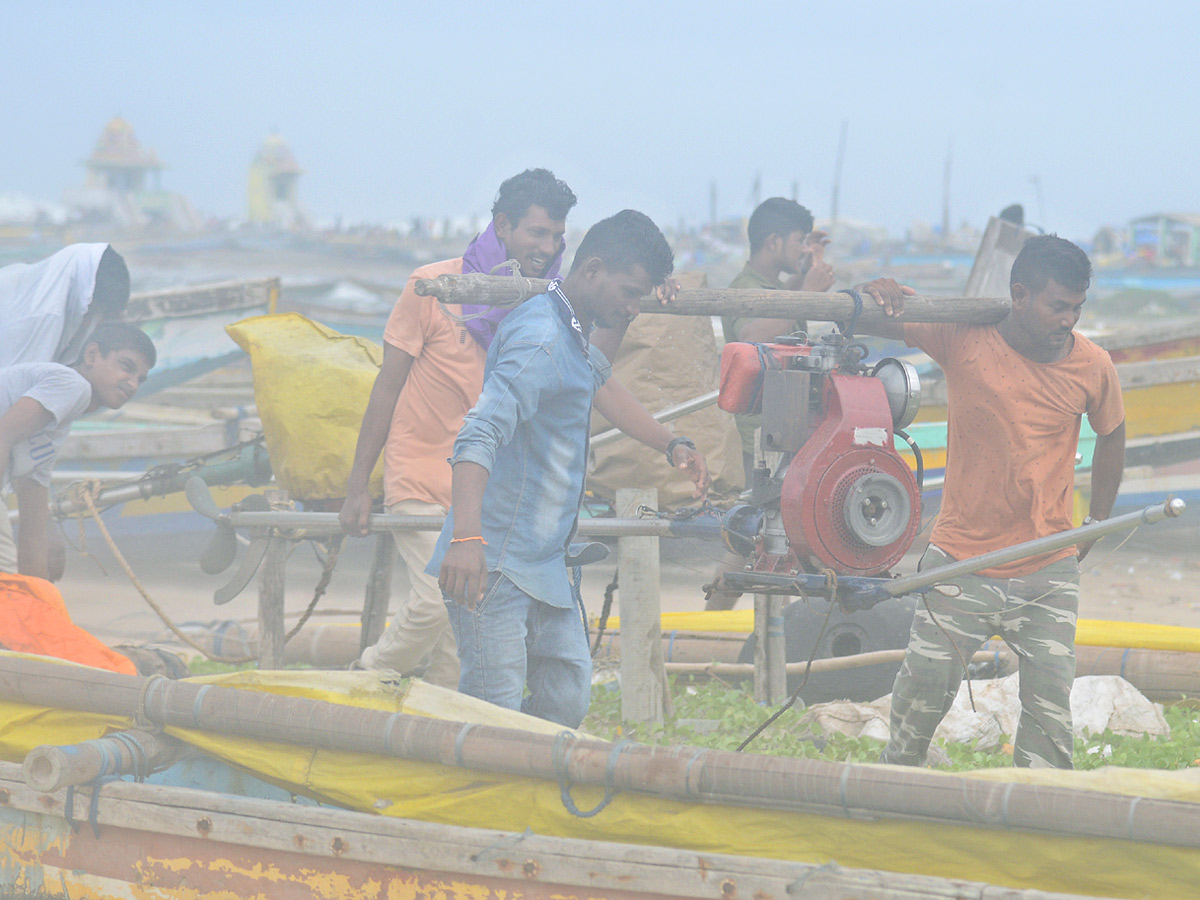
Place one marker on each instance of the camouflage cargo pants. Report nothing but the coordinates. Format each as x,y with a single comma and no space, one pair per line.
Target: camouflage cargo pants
1041,633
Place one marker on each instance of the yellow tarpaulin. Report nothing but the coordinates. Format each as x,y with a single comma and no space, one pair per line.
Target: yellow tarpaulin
448,795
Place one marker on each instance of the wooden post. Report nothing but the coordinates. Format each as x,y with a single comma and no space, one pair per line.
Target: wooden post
642,672
270,604
776,651
761,615
379,591
770,656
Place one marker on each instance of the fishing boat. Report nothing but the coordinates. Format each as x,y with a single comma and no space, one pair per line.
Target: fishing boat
419,792
187,325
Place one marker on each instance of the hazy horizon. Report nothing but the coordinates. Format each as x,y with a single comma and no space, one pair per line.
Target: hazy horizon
397,110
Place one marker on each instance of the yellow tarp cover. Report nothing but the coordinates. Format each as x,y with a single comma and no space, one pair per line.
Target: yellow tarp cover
1089,632
471,798
311,386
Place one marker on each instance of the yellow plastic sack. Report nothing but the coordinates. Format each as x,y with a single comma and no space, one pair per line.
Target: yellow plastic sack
311,385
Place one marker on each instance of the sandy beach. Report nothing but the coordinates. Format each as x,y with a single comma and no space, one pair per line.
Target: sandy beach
1154,576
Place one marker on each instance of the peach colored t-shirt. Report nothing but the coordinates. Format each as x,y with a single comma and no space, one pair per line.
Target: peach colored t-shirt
442,385
1011,438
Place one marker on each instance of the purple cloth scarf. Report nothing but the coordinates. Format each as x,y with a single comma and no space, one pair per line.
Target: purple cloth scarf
483,254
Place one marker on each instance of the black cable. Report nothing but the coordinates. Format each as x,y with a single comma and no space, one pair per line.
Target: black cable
920,458
791,701
605,610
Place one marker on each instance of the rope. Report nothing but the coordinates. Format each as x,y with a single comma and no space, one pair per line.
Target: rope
139,716
331,559
847,328
139,763
561,758
526,291
86,492
831,586
605,610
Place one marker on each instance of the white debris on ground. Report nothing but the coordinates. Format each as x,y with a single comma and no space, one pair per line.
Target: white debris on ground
1098,702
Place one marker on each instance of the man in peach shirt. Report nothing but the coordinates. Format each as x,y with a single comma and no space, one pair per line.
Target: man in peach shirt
432,373
1017,393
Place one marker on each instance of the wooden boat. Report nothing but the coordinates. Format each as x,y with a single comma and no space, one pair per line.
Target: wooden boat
1156,465
149,841
465,808
1161,395
188,325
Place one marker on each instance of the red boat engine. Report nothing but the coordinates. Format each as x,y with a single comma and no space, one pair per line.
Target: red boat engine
841,497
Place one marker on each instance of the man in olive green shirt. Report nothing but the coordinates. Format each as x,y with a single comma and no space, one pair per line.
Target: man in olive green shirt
781,241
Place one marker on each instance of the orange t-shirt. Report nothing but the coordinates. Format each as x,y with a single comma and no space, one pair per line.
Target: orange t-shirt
1011,439
442,385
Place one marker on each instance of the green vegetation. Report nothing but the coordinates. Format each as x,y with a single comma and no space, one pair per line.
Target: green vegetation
200,665
720,716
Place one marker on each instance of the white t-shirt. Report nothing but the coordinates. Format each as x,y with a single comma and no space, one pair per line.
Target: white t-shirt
64,393
42,305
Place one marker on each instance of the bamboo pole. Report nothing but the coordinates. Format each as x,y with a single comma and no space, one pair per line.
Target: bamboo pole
496,290
1161,675
685,773
670,414
828,664
48,768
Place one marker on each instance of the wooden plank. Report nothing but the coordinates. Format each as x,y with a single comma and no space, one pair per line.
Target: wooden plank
1150,373
224,296
179,441
206,825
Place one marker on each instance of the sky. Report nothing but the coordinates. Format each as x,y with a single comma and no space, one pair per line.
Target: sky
399,109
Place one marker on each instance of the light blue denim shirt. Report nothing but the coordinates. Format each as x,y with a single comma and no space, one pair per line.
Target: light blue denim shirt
530,431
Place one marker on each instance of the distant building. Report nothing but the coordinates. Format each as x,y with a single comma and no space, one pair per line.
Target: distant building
272,193
119,164
1166,239
123,186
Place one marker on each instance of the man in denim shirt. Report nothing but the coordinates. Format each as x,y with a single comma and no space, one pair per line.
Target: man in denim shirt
519,465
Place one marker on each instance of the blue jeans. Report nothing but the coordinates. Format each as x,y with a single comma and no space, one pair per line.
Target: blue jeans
511,640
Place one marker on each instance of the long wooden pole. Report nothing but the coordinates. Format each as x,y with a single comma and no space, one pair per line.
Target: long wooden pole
496,290
685,773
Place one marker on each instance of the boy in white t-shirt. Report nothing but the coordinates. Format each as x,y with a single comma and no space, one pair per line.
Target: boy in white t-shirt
38,402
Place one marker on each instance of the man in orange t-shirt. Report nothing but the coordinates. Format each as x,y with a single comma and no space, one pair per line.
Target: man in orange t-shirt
431,376
1017,392
432,373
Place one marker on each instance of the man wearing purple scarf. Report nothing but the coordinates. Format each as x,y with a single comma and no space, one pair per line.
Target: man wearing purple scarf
432,373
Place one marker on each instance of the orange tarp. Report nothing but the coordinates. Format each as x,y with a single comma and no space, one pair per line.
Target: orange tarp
34,619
